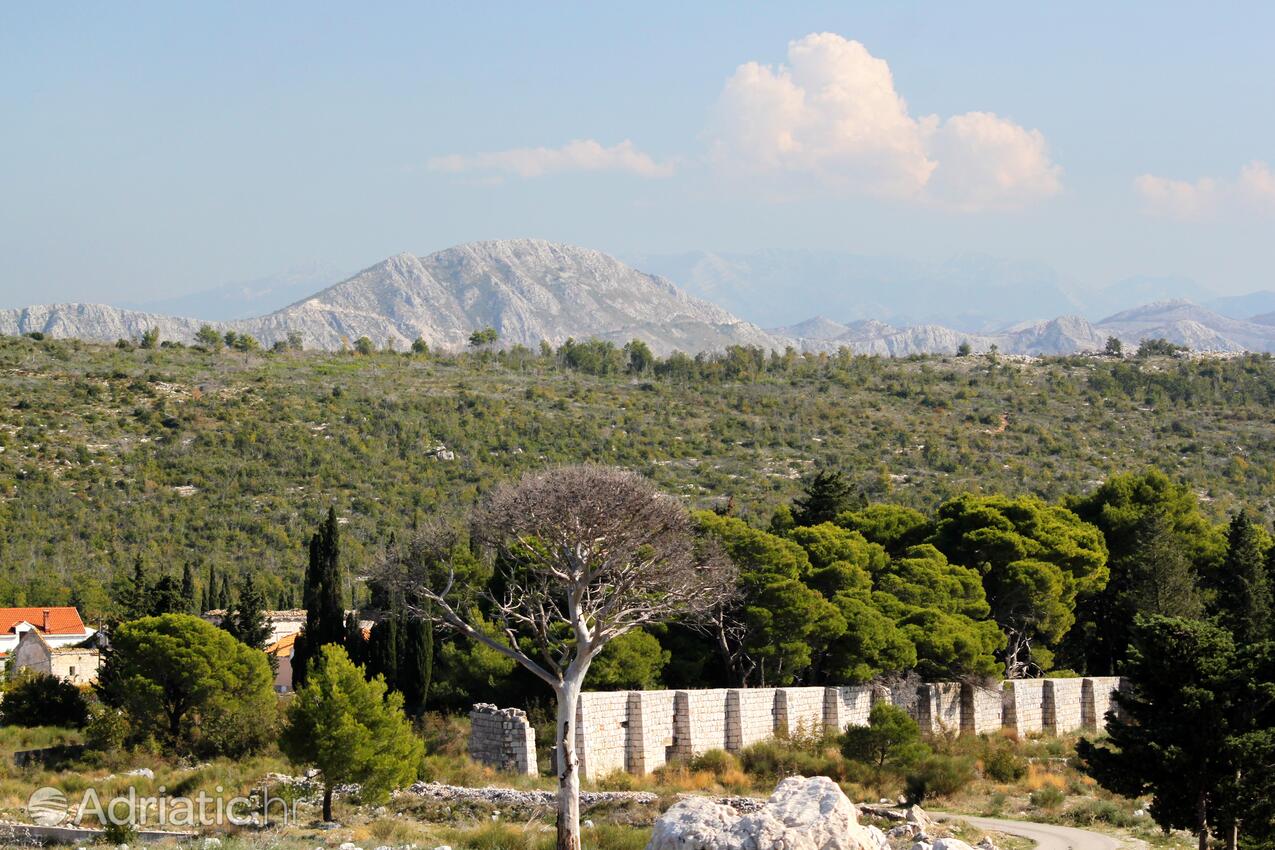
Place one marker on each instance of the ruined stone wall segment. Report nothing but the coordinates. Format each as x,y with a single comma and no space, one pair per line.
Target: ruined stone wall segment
1061,706
1024,706
1096,700
750,717
651,730
602,743
938,707
981,710
799,711
503,739
700,721
847,706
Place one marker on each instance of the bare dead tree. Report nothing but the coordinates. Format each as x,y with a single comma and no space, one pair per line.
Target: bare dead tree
581,556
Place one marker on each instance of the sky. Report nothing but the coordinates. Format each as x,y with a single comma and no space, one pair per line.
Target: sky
149,150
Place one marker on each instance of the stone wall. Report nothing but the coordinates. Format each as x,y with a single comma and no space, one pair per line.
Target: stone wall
651,728
938,707
602,740
750,717
847,706
800,711
1061,710
1096,700
502,738
1023,707
981,710
699,722
639,731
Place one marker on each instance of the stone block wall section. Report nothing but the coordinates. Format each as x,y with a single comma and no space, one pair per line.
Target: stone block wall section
981,710
1061,707
699,722
1023,711
1096,701
938,707
652,730
847,706
800,711
750,717
640,731
503,739
602,739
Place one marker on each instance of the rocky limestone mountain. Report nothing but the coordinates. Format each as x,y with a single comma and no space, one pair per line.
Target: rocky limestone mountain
531,290
1191,325
94,322
528,290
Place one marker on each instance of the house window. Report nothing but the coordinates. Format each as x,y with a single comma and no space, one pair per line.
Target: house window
72,671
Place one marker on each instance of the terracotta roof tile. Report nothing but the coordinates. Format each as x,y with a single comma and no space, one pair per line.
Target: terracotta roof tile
61,621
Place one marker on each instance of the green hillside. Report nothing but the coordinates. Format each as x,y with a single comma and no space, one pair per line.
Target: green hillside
231,458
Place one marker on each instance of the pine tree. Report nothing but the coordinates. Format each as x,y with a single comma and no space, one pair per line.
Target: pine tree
188,590
324,597
824,495
247,620
1160,577
1243,602
166,597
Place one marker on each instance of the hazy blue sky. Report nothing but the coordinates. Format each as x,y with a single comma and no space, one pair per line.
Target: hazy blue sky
152,149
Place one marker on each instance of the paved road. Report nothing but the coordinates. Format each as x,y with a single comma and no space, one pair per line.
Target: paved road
1047,836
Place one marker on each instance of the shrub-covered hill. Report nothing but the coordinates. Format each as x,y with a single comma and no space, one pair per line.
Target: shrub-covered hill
231,458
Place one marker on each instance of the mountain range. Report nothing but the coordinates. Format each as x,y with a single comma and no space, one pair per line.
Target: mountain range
532,290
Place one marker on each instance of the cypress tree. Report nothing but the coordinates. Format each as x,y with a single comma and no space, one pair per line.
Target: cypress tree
416,667
188,590
1243,602
383,651
355,643
223,594
324,597
136,602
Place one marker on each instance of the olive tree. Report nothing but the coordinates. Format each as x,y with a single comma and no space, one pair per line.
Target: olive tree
581,555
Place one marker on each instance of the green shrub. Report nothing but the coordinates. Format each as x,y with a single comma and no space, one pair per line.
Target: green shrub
775,759
107,730
938,776
716,762
1048,798
1004,765
1100,811
37,699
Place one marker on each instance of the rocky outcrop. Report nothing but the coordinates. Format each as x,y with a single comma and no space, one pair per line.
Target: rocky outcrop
802,814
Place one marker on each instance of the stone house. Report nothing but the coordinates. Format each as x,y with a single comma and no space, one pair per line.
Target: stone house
76,664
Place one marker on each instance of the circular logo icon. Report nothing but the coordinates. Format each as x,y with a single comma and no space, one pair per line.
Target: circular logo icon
47,806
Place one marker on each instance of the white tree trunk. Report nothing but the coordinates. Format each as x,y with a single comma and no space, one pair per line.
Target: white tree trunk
568,761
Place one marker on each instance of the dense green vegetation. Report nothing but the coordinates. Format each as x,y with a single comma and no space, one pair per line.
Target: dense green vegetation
227,460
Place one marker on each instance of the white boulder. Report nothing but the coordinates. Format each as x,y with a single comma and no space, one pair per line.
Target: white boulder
951,844
802,814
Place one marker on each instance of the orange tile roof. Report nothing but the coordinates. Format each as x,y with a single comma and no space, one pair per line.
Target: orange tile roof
283,645
61,621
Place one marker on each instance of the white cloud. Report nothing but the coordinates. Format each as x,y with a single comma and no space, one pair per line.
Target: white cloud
1257,183
1254,187
578,155
831,120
